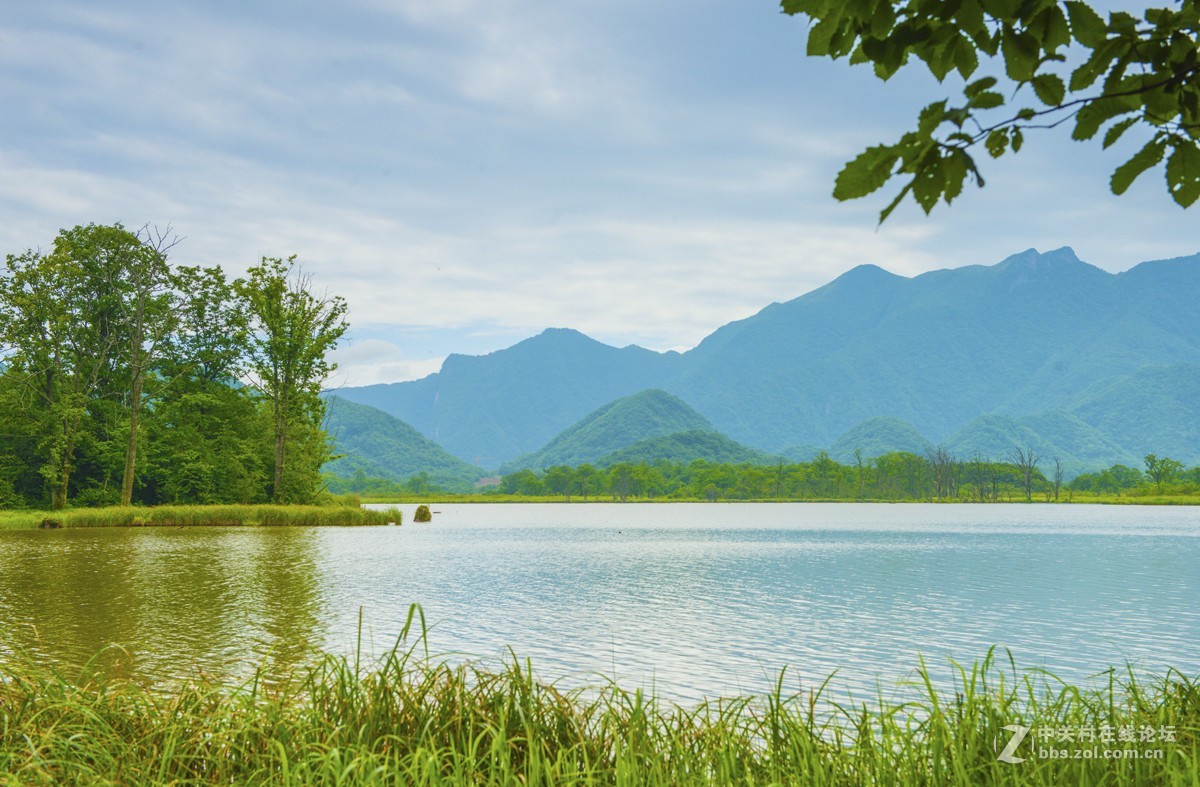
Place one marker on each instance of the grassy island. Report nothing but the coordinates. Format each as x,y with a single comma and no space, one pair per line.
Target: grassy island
199,516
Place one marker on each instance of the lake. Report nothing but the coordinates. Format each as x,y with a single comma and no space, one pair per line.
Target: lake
692,600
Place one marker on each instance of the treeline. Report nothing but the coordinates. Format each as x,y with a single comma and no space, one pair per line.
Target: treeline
895,476
128,380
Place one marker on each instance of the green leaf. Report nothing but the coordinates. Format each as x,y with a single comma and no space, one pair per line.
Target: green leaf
987,100
866,173
929,183
1018,138
930,118
883,214
1095,114
997,142
820,37
1049,89
978,86
1003,10
1183,173
965,58
1141,161
1020,54
1093,67
955,166
1114,133
1086,25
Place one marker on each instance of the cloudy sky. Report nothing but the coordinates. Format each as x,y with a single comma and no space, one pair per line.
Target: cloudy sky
469,172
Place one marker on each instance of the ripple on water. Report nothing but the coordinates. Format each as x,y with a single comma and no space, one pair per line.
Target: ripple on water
696,600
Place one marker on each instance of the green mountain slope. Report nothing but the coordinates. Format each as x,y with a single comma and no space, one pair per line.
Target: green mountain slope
878,436
687,447
650,413
1155,410
381,446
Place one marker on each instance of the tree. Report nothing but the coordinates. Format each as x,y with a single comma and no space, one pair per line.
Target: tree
204,433
1026,462
148,303
1141,73
293,331
1162,471
64,327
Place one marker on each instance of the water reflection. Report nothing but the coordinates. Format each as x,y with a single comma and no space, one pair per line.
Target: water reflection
175,602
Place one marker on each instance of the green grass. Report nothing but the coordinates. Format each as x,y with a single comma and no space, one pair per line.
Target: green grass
198,516
413,721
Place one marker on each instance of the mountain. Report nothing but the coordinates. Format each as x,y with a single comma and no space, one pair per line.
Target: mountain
1154,410
1037,333
877,436
382,446
491,408
687,447
616,425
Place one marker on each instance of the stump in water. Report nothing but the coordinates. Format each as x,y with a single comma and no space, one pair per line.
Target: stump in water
422,514
50,524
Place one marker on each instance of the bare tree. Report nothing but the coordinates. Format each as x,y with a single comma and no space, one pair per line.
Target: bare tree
944,467
1026,461
978,474
1058,476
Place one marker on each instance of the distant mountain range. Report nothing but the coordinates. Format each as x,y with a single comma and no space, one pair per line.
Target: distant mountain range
1040,349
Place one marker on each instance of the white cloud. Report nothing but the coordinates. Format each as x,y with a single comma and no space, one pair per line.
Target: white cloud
515,164
375,361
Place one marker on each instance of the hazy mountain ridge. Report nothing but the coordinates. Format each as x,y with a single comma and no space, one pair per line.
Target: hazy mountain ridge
1033,334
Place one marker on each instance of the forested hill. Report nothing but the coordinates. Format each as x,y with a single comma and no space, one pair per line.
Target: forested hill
616,425
372,444
1036,333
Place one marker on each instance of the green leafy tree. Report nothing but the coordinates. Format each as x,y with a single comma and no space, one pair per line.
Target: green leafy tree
206,434
1134,72
148,305
1162,470
293,330
64,328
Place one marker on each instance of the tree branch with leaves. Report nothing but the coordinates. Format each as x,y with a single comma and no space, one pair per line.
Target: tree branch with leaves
1136,72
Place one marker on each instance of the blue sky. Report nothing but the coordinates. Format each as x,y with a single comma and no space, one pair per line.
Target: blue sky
468,173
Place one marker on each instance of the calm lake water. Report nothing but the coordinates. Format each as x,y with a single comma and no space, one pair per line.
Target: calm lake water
691,599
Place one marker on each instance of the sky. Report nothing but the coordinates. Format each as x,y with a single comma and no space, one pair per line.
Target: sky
467,173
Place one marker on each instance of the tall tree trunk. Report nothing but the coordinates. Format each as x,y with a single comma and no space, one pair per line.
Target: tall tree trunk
135,407
280,435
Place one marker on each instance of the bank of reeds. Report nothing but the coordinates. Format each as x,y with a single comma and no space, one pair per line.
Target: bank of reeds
199,516
411,721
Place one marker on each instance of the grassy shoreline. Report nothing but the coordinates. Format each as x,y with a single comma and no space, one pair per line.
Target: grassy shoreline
443,497
200,516
410,721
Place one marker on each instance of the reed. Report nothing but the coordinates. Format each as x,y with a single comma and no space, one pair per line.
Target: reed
200,516
411,720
